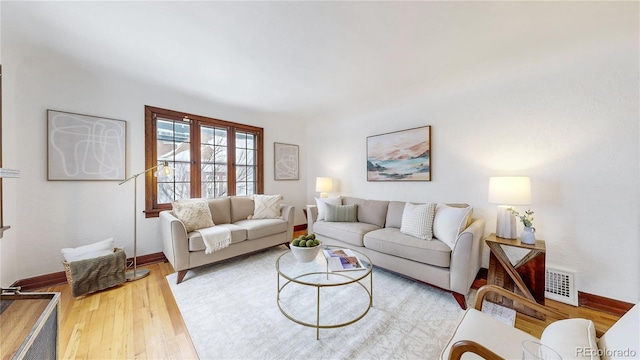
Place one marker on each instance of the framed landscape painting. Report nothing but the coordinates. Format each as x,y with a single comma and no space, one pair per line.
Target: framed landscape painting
400,156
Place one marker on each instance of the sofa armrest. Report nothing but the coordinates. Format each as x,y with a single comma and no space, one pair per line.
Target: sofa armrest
288,214
174,240
312,215
466,257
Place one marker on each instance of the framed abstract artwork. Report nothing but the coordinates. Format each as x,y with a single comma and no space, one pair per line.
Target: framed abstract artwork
400,156
285,161
84,147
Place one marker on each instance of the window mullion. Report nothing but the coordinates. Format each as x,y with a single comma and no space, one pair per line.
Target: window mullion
196,162
231,160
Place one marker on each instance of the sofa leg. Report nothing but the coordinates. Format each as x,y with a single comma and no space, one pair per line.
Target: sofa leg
181,275
461,300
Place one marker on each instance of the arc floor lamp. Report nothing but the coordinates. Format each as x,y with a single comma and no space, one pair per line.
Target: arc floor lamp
164,170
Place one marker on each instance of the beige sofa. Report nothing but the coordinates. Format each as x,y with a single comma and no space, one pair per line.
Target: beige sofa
377,234
187,250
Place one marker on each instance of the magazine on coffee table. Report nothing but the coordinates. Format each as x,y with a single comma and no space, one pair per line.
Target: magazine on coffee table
342,260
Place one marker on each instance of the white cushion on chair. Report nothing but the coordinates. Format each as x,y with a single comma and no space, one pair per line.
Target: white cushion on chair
623,336
572,338
493,334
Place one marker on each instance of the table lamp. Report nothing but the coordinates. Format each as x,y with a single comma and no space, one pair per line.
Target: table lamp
323,186
507,191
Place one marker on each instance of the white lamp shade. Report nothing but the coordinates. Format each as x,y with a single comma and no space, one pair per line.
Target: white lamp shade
510,190
323,184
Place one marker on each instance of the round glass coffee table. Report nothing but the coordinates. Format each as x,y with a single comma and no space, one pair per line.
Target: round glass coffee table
345,297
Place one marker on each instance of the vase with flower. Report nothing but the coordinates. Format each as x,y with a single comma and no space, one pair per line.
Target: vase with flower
528,233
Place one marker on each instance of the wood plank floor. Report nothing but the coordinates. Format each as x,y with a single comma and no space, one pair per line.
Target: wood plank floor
136,320
140,320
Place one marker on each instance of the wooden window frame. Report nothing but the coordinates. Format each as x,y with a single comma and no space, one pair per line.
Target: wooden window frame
152,208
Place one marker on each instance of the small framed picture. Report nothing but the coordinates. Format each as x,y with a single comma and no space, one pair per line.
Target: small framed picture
286,166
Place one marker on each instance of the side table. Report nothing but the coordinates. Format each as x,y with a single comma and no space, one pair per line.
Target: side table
525,278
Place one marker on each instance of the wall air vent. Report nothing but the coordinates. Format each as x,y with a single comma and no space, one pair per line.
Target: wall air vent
560,285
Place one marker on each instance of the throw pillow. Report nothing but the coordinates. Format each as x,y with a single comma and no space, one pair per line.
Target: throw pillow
417,220
449,222
572,338
101,248
342,213
266,207
194,215
322,209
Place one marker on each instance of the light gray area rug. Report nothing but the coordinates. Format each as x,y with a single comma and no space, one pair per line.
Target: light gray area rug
231,312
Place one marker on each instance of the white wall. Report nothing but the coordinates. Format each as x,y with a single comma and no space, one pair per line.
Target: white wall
50,215
569,119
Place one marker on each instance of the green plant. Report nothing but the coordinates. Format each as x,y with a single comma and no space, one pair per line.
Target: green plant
526,219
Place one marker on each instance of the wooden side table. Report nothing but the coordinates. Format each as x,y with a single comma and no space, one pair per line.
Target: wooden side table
525,278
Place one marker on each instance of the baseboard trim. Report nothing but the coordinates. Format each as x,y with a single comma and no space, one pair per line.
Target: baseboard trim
57,278
601,303
591,301
300,227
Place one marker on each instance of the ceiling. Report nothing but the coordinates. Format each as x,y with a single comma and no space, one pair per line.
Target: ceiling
303,59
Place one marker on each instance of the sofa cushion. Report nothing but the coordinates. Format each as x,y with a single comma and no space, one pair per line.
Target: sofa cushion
391,241
266,207
322,209
449,222
241,208
341,213
351,233
220,209
260,228
417,220
369,211
572,338
394,214
194,214
238,234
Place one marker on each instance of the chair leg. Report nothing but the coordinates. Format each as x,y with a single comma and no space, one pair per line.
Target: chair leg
460,299
181,275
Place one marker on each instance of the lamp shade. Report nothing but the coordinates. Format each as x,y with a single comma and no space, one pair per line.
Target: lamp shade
323,184
510,190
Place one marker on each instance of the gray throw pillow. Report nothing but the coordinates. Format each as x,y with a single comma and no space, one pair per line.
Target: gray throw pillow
341,213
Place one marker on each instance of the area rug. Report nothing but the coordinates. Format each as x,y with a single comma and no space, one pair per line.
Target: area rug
231,312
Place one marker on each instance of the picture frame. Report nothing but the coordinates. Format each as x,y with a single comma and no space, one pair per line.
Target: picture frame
286,161
84,147
403,155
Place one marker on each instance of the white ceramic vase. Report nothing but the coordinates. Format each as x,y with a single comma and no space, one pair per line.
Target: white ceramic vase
528,235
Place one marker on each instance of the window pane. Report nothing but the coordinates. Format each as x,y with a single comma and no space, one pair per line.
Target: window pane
251,139
251,157
241,140
241,156
221,137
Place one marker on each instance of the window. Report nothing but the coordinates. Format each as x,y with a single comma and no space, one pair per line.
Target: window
210,158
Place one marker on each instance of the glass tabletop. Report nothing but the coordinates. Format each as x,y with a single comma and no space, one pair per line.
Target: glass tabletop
317,272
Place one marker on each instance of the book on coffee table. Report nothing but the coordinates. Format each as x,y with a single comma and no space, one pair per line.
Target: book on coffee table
342,260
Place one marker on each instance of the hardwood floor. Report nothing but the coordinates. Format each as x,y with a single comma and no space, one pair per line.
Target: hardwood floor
141,320
136,320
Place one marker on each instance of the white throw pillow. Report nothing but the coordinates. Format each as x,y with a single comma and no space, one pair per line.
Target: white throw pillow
266,207
194,215
449,222
322,208
417,220
572,338
101,248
